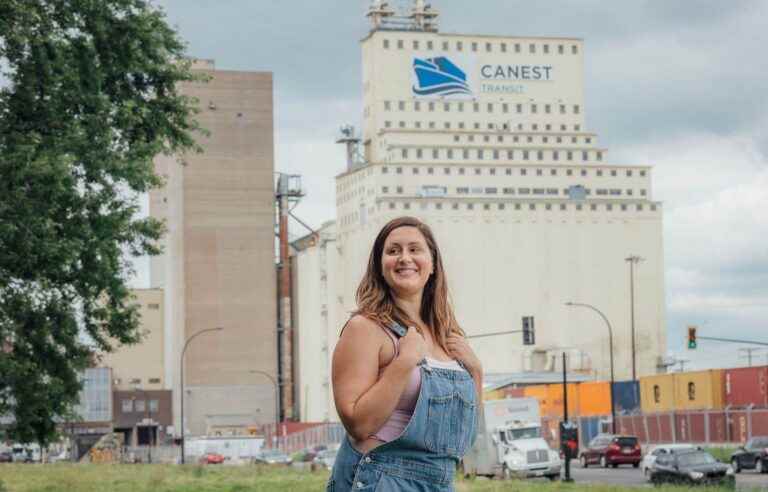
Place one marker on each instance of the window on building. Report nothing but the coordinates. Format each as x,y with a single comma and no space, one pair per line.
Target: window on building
623,207
401,105
569,155
639,207
491,191
553,172
492,171
599,172
461,171
446,107
517,206
508,191
547,108
609,207
593,207
470,206
523,172
525,155
560,49
140,405
447,170
519,108
508,171
430,170
154,406
399,189
419,155
385,189
465,153
439,206
416,169
400,44
407,205
540,155
386,44
126,405
585,155
404,153
154,380
505,107
476,107
459,45
435,153
534,109
523,191
449,153
532,48
401,124
532,206
642,173
574,49
153,306
478,170
643,192
415,44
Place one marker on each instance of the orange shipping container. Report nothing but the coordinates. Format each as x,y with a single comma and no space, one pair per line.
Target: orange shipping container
657,393
700,390
556,404
540,393
594,399
492,395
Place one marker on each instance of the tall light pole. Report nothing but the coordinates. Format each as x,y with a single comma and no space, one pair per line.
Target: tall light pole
277,397
183,351
610,351
633,259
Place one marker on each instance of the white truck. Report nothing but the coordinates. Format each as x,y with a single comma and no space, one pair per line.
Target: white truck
509,442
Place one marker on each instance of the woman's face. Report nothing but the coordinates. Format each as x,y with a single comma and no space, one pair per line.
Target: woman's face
406,261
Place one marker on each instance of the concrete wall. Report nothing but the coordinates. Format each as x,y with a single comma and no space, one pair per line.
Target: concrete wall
218,269
143,364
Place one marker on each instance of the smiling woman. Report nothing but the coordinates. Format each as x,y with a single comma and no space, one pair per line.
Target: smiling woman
408,398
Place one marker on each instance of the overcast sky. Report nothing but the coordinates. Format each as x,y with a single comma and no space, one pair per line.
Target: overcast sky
679,85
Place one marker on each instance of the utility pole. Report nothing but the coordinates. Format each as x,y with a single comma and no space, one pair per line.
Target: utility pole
633,259
682,363
749,351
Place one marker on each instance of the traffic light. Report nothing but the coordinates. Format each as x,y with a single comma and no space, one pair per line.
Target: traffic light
569,440
691,337
529,334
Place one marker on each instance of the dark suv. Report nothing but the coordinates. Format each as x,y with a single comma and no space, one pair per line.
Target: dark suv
753,455
609,450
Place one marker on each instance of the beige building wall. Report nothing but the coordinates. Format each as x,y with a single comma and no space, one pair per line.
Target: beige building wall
218,267
142,365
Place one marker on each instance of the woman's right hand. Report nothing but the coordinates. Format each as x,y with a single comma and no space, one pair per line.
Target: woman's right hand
413,347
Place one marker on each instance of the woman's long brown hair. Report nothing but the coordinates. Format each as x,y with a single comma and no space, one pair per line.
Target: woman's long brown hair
375,300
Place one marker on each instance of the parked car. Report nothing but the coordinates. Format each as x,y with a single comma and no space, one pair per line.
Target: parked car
655,451
273,457
212,459
6,457
752,456
325,459
693,467
609,450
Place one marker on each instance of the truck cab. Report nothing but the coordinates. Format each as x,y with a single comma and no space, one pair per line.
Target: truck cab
509,442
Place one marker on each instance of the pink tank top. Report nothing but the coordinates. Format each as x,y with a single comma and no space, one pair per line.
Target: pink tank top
393,427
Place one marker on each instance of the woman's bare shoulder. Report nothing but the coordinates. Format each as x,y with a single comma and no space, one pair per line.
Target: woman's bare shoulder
361,326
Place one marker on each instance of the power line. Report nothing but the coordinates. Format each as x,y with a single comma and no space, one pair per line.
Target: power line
749,351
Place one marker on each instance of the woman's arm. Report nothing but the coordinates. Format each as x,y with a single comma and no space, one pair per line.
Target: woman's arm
364,400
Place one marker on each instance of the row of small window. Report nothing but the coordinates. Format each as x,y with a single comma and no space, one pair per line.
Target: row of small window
135,381
496,154
624,207
545,139
446,106
130,405
489,47
508,171
447,125
492,190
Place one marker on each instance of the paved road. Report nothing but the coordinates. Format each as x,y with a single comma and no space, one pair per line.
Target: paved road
626,475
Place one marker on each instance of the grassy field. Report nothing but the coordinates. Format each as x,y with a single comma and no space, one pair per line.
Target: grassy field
169,478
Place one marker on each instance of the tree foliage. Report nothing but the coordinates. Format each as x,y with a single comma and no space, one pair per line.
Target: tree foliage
90,98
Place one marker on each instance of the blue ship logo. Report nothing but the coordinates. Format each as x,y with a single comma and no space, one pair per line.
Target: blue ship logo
439,76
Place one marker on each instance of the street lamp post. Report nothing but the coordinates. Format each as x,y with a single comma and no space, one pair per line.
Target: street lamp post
633,259
277,398
610,351
183,351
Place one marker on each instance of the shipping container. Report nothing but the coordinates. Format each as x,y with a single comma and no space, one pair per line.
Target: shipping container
746,386
657,393
594,399
555,406
700,390
626,397
510,392
492,395
539,392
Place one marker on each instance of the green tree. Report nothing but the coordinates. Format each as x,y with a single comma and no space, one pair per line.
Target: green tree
90,98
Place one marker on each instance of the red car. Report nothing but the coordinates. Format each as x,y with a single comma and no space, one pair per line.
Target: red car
212,459
609,450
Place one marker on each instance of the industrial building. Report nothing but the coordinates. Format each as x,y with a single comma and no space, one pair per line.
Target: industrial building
217,269
485,138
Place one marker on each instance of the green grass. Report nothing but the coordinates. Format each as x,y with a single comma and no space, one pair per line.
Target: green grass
190,478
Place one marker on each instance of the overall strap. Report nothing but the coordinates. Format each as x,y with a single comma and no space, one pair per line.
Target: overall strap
397,329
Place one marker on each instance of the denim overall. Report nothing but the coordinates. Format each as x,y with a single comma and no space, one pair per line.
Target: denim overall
424,457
